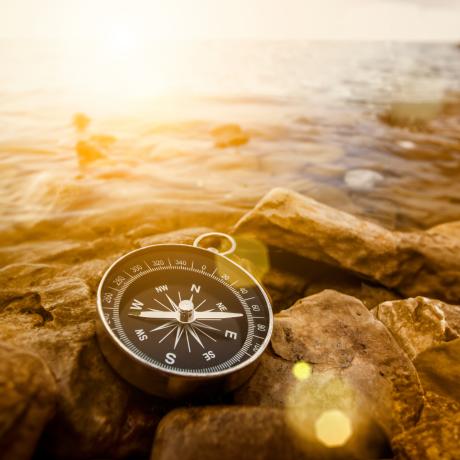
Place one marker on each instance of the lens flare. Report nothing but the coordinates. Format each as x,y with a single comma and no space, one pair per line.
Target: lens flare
301,370
333,428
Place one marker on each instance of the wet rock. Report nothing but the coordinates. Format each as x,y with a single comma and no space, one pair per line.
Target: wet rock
230,135
362,179
416,323
411,263
439,369
249,433
81,121
346,346
88,152
27,402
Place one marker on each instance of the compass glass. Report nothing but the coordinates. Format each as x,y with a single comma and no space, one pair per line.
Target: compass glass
185,309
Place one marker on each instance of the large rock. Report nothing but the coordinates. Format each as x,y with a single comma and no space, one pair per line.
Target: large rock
47,313
439,369
437,434
228,433
412,263
27,402
350,352
418,323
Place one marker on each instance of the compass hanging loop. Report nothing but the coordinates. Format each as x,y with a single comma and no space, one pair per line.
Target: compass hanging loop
229,238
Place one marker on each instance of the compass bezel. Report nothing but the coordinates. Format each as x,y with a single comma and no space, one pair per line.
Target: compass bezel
203,375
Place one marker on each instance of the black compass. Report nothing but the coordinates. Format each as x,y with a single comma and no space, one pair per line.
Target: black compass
175,319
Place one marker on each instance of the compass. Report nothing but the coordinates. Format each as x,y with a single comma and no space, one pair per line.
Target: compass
176,319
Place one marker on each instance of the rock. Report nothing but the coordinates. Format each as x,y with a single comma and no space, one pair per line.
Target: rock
439,369
97,413
88,152
230,135
27,402
416,323
362,179
81,121
449,230
436,436
345,347
411,263
370,295
227,433
406,145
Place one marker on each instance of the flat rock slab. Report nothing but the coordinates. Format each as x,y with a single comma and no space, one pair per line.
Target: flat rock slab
353,358
414,264
28,395
237,432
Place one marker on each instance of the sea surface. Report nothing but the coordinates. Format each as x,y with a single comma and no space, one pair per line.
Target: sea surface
369,128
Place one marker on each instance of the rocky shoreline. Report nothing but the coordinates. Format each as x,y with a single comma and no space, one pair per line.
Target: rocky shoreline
373,315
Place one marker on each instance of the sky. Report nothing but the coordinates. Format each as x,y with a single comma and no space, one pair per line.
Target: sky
215,19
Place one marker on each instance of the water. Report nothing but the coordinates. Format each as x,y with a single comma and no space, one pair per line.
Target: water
313,113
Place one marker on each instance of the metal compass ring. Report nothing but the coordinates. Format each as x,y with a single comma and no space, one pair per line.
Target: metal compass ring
223,235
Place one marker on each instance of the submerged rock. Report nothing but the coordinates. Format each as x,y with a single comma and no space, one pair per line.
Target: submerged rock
348,349
230,135
416,323
412,263
28,394
88,152
362,179
81,121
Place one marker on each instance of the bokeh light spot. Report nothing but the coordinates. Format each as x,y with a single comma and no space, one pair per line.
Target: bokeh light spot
333,428
301,370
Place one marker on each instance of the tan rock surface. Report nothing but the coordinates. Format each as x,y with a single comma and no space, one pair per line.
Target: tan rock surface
417,323
344,343
439,369
28,396
412,263
228,433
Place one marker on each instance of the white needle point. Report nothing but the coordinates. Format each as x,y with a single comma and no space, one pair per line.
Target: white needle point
216,315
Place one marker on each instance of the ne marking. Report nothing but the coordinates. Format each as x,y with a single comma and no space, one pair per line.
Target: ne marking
117,290
247,354
257,337
147,265
124,271
234,282
249,298
258,317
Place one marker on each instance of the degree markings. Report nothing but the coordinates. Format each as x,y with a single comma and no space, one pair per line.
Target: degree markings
198,325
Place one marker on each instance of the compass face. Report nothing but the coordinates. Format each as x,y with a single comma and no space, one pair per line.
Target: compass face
185,310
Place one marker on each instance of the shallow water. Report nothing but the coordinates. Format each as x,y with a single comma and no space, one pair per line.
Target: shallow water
313,113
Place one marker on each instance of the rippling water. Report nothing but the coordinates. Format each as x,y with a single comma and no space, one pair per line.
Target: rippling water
370,128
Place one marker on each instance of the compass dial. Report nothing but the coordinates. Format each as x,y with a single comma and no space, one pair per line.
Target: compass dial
185,310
